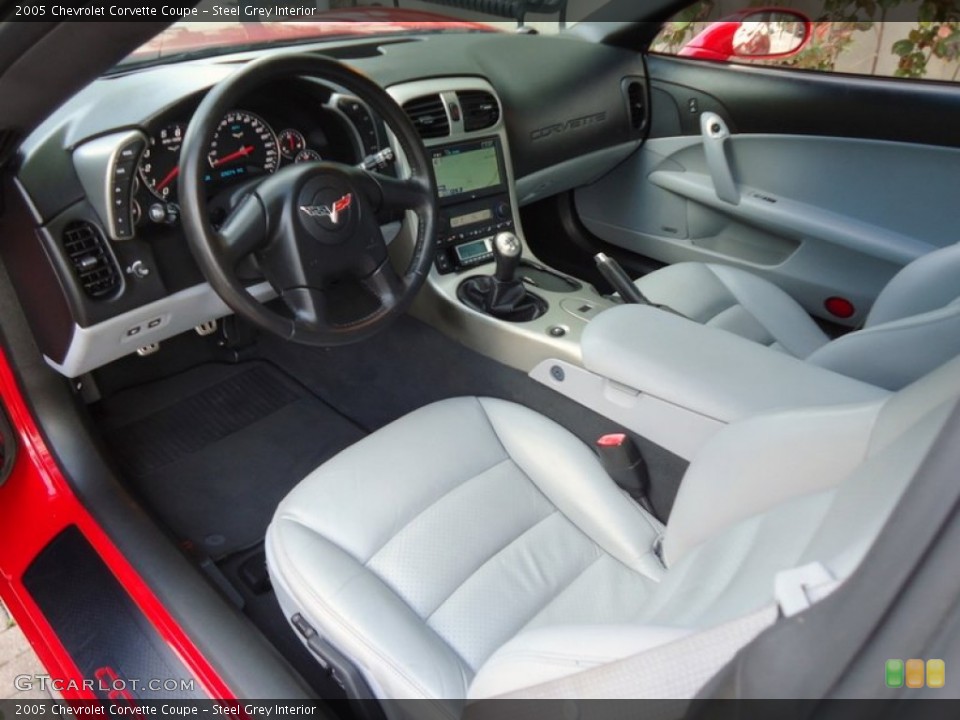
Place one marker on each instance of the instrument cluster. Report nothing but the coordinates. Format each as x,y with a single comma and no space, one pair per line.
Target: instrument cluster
250,143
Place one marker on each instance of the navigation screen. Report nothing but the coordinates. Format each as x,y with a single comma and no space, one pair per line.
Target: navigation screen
466,168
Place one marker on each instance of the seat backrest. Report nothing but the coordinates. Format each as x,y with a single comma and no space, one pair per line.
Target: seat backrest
913,327
779,491
929,283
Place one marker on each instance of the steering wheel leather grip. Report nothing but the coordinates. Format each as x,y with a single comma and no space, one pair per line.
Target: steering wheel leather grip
310,225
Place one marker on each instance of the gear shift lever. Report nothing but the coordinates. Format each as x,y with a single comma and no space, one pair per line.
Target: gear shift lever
503,295
507,251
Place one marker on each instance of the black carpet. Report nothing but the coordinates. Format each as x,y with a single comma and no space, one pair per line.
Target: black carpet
411,364
213,450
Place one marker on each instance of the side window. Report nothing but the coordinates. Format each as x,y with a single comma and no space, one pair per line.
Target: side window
917,39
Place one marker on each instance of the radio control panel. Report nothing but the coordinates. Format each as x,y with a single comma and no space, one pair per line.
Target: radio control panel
467,231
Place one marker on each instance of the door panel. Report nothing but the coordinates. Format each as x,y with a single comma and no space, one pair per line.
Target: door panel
818,212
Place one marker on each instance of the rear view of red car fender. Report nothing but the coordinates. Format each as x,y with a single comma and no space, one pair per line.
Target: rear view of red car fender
36,505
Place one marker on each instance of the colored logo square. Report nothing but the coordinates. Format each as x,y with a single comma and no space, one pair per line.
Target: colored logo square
936,673
894,673
914,673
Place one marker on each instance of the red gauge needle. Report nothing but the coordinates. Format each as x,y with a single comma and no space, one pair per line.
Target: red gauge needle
242,152
169,178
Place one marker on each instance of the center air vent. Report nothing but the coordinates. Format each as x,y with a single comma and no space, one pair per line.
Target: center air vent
91,259
480,110
429,116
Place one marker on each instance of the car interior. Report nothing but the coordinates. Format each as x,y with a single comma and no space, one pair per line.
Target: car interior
471,365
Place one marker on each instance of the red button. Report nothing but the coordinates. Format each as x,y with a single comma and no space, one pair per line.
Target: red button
612,440
839,307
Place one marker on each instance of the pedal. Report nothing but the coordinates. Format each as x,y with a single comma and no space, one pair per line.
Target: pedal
148,349
207,328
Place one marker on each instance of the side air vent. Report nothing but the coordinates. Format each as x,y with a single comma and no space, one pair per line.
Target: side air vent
637,98
480,110
429,116
92,260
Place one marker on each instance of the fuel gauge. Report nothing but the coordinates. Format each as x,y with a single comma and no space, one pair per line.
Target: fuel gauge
291,143
307,155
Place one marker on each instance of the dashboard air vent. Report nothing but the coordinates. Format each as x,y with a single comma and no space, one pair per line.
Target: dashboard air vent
480,110
91,259
429,116
636,97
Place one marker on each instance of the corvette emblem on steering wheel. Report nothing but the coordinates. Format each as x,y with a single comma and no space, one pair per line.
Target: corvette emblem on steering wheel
331,212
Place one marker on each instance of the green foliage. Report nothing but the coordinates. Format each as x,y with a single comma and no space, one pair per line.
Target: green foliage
682,28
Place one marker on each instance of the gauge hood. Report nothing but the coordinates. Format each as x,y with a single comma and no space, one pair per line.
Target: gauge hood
360,22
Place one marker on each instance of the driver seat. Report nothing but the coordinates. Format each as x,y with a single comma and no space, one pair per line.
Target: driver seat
476,549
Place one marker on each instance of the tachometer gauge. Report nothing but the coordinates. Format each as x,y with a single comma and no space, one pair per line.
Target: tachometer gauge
291,143
307,155
243,145
160,164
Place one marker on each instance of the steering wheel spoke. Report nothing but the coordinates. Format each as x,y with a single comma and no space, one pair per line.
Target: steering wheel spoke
385,284
244,231
310,307
391,195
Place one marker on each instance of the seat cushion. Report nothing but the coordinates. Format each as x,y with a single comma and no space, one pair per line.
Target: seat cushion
737,301
425,547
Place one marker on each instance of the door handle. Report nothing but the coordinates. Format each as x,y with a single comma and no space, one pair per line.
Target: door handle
715,135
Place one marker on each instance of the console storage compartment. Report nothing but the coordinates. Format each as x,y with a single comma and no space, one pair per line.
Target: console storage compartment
677,382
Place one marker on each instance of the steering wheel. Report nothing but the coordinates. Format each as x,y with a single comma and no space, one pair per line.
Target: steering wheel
311,226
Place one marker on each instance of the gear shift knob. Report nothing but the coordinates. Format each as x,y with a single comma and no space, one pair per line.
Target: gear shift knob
506,250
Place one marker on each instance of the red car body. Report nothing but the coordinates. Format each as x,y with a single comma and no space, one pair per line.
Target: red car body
36,504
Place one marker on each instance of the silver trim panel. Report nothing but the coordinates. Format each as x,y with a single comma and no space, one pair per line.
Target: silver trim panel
95,346
95,162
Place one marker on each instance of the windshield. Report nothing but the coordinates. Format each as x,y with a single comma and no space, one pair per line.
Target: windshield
215,27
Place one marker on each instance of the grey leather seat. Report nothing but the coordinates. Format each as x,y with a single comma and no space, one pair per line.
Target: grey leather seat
476,549
912,328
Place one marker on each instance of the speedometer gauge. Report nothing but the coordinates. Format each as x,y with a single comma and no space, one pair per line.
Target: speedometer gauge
160,163
242,146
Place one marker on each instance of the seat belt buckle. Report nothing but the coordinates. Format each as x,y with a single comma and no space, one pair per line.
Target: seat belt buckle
798,588
623,462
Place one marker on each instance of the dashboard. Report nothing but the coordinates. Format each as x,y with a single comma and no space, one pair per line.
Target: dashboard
110,272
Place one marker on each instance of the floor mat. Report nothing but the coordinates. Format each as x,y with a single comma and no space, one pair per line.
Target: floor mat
213,450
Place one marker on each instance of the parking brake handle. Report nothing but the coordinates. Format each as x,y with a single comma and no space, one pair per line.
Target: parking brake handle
614,274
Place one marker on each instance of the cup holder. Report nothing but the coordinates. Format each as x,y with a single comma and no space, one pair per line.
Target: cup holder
541,278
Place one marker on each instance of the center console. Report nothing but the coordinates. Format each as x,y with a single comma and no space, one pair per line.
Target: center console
487,289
